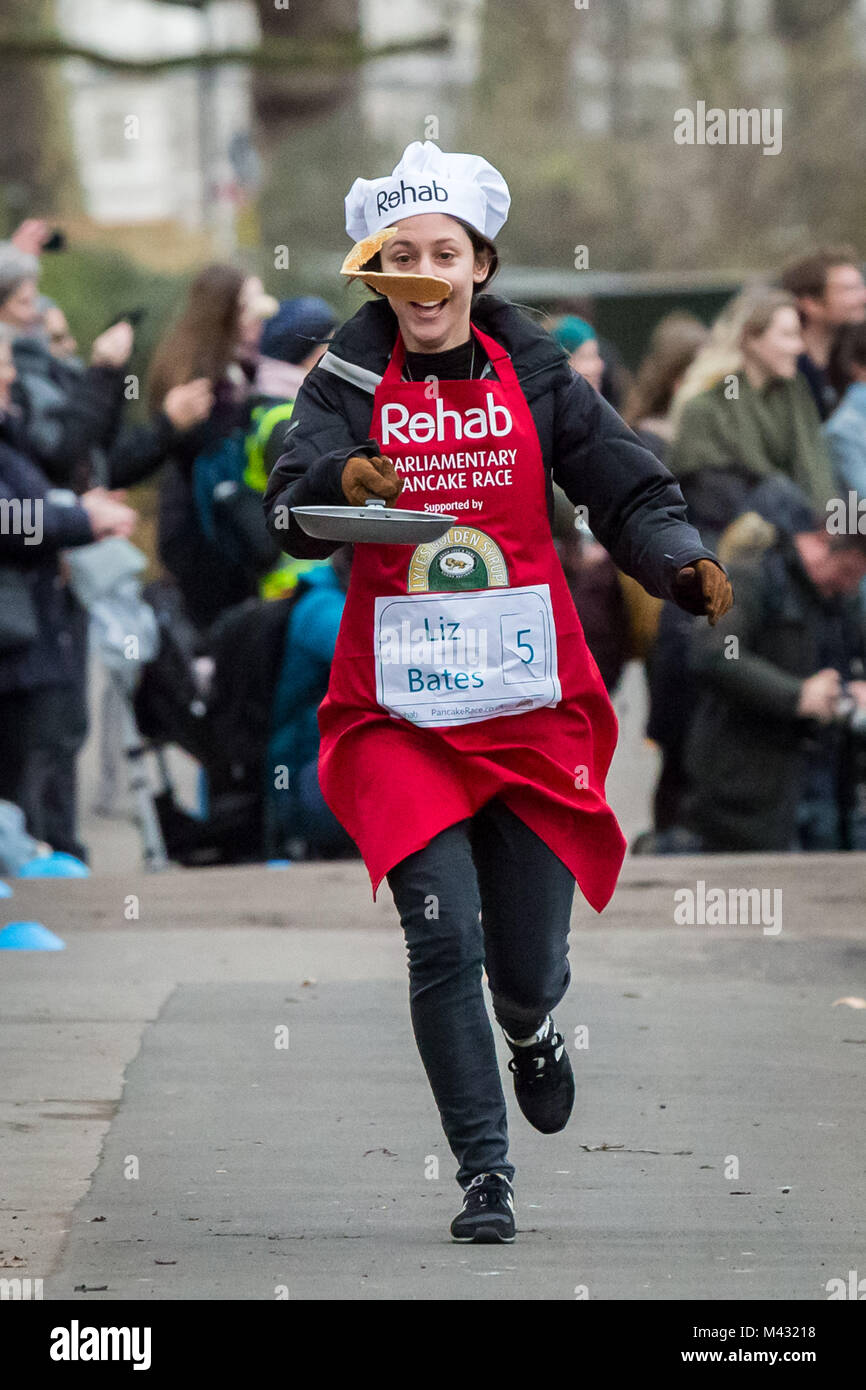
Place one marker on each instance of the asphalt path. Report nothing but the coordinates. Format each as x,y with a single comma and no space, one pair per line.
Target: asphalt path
213,1092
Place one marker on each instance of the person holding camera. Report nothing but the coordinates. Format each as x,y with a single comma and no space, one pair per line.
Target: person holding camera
780,690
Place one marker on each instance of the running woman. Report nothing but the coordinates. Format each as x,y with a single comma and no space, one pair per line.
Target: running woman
466,733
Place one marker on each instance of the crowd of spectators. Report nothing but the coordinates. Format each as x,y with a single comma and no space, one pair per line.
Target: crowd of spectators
761,417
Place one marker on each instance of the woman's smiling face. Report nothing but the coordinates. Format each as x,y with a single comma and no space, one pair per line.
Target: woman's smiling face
432,243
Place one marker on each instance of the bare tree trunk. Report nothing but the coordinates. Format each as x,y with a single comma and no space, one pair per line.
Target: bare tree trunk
825,125
619,54
37,165
681,27
305,94
525,72
523,119
312,139
728,29
798,19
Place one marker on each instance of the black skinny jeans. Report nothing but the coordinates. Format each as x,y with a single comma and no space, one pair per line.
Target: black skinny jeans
490,864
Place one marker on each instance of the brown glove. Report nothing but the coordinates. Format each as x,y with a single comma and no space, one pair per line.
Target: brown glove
376,477
702,587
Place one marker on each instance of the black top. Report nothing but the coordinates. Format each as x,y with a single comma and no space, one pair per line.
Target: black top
451,365
818,379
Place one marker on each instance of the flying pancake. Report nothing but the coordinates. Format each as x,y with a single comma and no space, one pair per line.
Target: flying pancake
423,289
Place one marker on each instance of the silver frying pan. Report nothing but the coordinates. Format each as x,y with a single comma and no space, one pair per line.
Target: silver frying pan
373,522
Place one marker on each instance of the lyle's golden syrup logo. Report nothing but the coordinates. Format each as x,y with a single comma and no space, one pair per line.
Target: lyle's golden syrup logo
464,558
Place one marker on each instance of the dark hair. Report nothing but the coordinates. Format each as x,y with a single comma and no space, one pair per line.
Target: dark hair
479,244
849,350
673,347
202,341
806,277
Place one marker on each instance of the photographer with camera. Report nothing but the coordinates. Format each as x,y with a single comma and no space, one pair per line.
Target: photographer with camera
771,753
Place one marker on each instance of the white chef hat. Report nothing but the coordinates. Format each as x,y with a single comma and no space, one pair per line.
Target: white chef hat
426,180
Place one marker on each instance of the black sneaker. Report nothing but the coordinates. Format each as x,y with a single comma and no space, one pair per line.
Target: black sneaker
544,1082
488,1211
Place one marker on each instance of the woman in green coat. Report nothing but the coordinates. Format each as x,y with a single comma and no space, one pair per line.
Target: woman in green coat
744,412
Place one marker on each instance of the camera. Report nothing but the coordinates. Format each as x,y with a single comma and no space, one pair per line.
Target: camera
849,715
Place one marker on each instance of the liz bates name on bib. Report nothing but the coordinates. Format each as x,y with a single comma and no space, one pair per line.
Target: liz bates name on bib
457,658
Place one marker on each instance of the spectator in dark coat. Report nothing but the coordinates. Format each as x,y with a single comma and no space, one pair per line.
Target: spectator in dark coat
36,679
742,418
67,417
771,682
69,413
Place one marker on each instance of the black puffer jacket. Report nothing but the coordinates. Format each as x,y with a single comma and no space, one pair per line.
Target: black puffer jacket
69,415
49,660
635,507
746,751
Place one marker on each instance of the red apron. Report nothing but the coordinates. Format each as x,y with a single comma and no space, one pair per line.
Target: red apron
461,671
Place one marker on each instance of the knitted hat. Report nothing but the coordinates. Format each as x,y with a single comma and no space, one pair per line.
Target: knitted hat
15,267
572,332
295,329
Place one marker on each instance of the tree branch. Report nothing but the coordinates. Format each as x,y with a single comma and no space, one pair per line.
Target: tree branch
283,53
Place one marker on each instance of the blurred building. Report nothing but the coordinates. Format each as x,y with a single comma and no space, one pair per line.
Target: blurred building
415,91
623,58
171,146
626,61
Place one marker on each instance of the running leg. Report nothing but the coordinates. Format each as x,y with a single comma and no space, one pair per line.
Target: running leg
436,894
526,894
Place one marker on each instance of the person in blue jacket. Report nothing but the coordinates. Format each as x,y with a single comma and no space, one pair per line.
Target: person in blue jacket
845,431
296,810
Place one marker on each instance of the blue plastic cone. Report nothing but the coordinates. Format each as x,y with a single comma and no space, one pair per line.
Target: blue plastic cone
56,865
29,936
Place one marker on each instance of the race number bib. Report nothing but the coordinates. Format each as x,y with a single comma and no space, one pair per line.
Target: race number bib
456,658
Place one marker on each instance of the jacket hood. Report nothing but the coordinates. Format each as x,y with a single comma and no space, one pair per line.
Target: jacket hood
32,354
367,339
33,358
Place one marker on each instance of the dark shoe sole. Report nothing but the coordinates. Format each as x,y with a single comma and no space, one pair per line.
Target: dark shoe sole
485,1235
